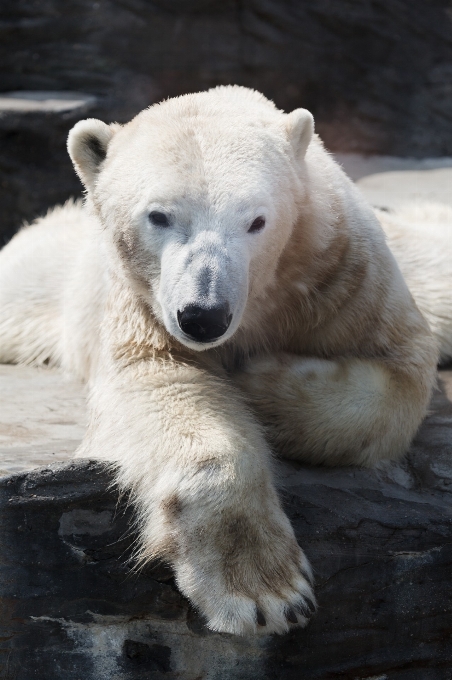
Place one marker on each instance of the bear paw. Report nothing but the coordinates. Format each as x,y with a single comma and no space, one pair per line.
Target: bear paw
249,577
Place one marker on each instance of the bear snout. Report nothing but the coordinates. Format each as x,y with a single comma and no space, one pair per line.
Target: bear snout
204,324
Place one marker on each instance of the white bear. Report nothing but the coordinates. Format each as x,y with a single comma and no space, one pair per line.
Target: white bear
225,276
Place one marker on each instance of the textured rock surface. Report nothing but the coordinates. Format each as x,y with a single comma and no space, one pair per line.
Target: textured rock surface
387,65
377,75
388,181
35,170
380,543
42,417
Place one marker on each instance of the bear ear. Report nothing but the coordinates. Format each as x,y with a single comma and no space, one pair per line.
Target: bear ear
87,146
300,128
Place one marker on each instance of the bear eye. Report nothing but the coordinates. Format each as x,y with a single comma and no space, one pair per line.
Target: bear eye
258,224
159,219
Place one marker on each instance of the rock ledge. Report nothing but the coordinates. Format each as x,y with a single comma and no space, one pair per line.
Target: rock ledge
380,543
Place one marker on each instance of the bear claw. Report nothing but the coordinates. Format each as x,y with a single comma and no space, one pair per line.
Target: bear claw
291,616
260,618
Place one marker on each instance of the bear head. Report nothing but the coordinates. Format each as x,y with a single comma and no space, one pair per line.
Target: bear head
197,198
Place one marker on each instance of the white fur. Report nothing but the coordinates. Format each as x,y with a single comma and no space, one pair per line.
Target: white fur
420,236
325,346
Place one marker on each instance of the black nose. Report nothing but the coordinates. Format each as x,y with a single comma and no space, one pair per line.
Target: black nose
204,325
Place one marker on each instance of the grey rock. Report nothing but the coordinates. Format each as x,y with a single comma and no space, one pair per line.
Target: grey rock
35,170
42,417
49,102
380,542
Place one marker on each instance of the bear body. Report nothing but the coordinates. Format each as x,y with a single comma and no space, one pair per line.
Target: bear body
224,275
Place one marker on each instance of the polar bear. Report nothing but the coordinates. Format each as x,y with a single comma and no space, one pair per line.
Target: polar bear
227,293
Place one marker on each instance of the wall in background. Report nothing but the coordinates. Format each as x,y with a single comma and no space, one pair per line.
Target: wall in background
377,74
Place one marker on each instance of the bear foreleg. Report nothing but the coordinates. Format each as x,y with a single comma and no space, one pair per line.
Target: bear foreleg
337,412
198,466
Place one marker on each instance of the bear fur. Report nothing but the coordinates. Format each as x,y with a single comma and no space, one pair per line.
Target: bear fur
220,203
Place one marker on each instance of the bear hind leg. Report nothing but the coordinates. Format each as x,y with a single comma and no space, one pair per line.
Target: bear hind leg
336,412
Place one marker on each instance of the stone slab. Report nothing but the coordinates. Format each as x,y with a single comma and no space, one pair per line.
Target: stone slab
42,101
388,181
42,417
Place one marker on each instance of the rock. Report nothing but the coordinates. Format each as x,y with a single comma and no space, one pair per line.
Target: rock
380,543
389,182
377,75
35,170
42,417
